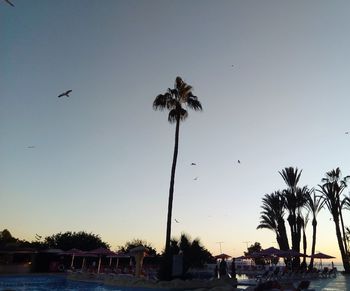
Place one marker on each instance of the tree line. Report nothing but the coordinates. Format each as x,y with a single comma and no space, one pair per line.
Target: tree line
294,205
193,252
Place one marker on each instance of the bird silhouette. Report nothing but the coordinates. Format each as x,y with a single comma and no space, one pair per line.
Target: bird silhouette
176,221
8,2
196,178
65,94
346,132
193,164
30,147
238,161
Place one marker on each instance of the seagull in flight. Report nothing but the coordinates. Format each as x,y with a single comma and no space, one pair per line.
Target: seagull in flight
8,2
193,164
65,94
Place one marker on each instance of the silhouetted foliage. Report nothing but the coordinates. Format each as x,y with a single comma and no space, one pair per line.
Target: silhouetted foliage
7,240
194,254
331,191
80,240
272,217
255,248
135,243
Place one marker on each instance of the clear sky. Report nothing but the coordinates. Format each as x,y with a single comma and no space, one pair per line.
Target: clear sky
273,78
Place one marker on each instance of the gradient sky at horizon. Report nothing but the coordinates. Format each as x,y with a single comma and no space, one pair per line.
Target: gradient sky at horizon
102,157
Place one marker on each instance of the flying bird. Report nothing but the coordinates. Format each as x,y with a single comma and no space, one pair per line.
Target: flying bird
176,221
238,161
65,94
346,132
30,147
193,164
8,2
196,178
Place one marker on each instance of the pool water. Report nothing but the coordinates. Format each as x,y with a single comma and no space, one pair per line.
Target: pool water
45,283
59,282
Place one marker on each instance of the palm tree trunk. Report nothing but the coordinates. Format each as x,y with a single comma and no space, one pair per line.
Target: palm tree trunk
344,256
304,246
170,202
283,235
314,227
343,229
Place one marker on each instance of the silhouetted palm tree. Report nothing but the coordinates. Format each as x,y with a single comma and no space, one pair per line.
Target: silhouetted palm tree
333,176
331,191
314,204
294,201
272,218
174,100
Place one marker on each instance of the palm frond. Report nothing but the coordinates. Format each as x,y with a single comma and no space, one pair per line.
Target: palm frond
173,115
161,101
177,113
291,176
194,104
183,114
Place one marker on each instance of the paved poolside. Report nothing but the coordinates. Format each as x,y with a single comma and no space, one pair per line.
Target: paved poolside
340,283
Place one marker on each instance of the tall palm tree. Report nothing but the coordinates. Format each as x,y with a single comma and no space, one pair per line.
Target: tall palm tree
294,201
331,191
175,100
314,204
336,176
272,217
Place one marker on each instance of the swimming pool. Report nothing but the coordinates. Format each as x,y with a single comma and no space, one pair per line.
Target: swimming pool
60,283
46,283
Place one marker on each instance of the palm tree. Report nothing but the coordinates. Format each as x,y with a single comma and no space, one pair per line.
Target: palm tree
331,191
294,201
272,217
291,178
174,100
333,176
314,204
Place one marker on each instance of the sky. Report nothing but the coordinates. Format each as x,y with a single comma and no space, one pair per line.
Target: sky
273,78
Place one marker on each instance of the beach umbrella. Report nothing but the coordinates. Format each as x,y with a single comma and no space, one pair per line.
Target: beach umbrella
117,256
272,252
293,253
101,252
222,256
84,255
72,252
321,256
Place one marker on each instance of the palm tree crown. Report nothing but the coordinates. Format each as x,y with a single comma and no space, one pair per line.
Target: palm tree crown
174,99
